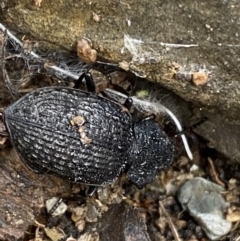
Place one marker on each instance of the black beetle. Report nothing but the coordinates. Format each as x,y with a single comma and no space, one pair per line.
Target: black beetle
86,138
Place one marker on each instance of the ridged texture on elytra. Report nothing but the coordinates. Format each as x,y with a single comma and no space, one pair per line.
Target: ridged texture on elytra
153,151
40,129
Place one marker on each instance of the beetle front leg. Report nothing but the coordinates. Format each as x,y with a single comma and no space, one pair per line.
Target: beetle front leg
88,80
128,103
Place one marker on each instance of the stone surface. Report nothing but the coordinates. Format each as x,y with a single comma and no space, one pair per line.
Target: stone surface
204,201
221,135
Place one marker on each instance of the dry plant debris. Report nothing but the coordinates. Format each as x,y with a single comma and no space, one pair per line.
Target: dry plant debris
79,121
38,3
85,50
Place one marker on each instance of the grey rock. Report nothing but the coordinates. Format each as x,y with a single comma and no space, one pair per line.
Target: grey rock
221,135
204,201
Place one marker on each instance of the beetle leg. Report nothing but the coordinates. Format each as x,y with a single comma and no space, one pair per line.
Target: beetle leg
106,68
87,78
90,83
128,103
90,191
55,206
190,128
117,88
78,198
83,195
140,187
149,117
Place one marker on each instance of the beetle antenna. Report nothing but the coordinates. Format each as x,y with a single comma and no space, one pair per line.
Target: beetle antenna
190,128
180,129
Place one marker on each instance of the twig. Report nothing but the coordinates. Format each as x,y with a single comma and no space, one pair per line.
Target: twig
39,225
169,220
179,45
69,74
214,173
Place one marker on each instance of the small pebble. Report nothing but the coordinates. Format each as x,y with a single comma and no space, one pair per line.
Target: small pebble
199,78
204,201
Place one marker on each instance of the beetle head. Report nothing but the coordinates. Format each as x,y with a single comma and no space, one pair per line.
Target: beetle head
152,151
